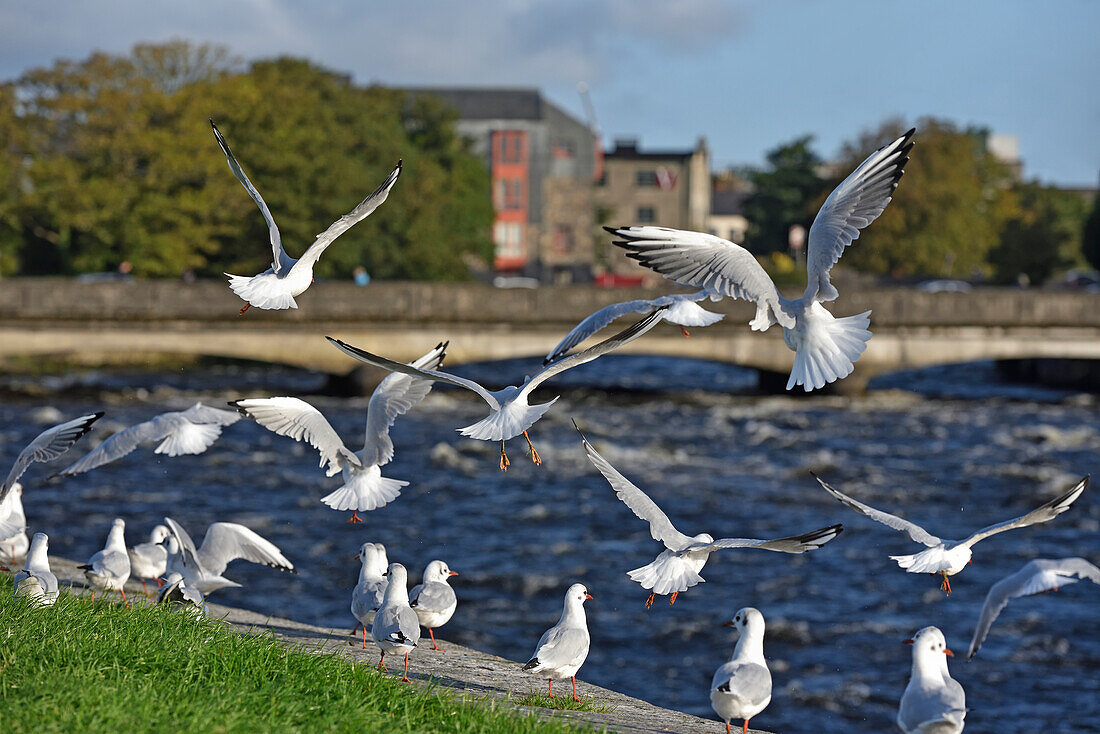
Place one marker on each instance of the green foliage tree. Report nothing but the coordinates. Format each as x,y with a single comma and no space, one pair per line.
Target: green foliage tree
1090,237
782,196
949,208
1043,237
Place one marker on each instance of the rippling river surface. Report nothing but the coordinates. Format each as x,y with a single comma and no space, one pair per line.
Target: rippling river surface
952,449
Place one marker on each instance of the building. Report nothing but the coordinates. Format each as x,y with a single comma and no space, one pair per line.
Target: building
669,188
726,218
543,164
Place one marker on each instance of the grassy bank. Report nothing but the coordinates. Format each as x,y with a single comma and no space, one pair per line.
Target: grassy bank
100,667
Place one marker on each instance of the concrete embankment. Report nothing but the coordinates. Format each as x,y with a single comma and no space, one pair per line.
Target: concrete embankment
464,670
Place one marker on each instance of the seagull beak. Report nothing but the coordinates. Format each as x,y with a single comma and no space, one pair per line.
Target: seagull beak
589,596
452,573
948,653
907,642
728,623
357,556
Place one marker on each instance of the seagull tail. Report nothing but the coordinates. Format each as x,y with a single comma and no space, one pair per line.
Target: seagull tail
826,348
265,291
508,422
364,491
666,574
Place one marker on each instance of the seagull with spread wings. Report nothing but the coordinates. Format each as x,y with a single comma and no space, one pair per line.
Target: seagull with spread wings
276,287
825,347
677,568
949,557
510,414
202,568
364,486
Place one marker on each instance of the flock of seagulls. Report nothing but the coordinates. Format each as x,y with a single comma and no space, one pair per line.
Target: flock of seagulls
825,347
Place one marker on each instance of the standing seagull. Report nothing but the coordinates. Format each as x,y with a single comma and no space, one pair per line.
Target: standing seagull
190,431
562,649
825,347
364,486
683,310
223,543
433,599
368,594
509,413
46,446
36,581
150,560
677,568
948,557
742,688
933,702
1040,575
109,569
276,287
13,528
396,629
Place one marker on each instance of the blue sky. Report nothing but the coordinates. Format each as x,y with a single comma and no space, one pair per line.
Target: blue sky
747,75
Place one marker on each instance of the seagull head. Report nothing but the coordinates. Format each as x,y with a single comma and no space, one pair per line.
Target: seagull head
929,644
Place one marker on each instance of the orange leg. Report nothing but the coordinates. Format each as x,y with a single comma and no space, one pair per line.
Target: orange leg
504,463
160,582
434,646
143,589
574,679
93,595
246,307
534,454
745,727
355,517
672,600
382,662
550,687
365,637
405,677
727,727
124,600
649,601
946,585
685,331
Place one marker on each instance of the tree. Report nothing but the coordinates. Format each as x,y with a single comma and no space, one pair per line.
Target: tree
1090,237
1043,237
784,192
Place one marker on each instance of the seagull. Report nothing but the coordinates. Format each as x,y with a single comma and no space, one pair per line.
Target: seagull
364,486
948,557
825,347
933,702
149,560
510,414
677,568
36,581
683,310
46,446
190,431
367,595
433,599
179,596
224,542
395,628
109,569
742,688
1040,575
276,287
13,528
562,649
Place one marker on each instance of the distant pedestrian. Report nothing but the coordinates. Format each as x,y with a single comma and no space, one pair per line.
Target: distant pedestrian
360,276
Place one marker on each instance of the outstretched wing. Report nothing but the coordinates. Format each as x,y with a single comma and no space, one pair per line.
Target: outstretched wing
610,344
594,323
394,396
794,544
660,527
1045,513
854,204
121,444
706,261
47,446
228,541
298,419
388,364
199,413
186,556
279,259
916,532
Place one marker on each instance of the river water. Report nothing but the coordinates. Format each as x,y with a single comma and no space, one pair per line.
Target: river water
951,448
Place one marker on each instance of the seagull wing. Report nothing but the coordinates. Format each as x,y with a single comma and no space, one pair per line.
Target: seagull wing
1047,512
706,261
853,205
228,541
279,259
199,413
660,527
121,444
1035,577
562,647
914,531
594,323
408,369
794,544
394,396
186,556
610,344
298,419
47,446
346,222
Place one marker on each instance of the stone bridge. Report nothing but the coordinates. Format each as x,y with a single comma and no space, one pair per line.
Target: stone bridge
126,322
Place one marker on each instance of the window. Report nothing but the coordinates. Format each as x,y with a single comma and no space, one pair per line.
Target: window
508,238
646,215
563,240
510,193
509,146
645,178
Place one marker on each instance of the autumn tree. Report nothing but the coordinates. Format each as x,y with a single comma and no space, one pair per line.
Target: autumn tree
783,193
1042,237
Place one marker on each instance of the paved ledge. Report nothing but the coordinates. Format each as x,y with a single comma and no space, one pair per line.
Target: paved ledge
459,668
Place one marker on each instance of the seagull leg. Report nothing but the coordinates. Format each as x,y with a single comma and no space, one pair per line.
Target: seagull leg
365,637
649,601
672,600
124,600
355,517
946,585
685,331
354,632
160,582
504,463
405,678
727,727
744,726
534,454
382,662
434,646
574,679
246,307
550,687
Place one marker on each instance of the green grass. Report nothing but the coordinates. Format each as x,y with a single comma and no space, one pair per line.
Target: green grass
99,667
564,702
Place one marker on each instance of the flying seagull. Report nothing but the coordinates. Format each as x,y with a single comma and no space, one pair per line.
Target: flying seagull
224,542
510,414
948,557
825,347
364,486
276,287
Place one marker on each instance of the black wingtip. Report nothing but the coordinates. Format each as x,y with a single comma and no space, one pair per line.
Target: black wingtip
532,663
400,162
85,567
